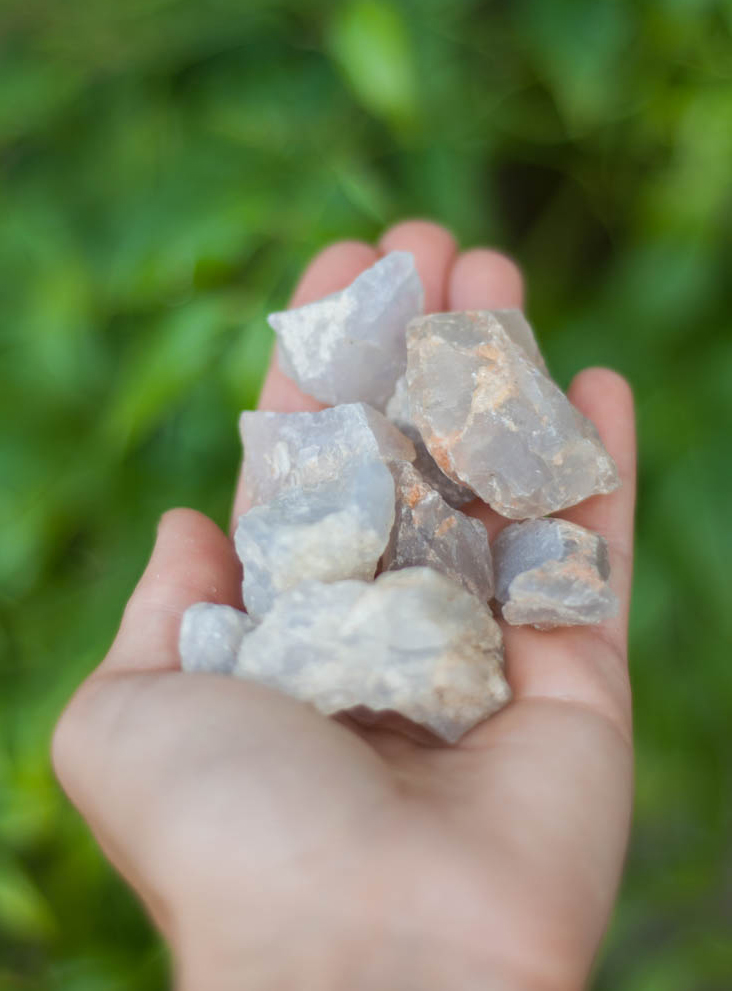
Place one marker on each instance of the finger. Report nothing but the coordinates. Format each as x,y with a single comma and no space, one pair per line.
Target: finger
606,399
333,269
434,249
483,279
588,665
192,561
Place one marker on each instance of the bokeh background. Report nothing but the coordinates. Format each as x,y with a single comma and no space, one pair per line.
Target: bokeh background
166,169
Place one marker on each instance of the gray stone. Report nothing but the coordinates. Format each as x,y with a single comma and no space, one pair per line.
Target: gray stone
210,637
552,573
329,532
397,410
350,346
428,532
412,642
285,450
494,421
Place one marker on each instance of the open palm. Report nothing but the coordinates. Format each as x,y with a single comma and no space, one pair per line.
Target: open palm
276,848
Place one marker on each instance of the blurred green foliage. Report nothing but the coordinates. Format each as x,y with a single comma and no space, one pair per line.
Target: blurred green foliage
166,168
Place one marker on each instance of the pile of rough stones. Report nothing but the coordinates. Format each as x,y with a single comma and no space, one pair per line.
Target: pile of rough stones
366,588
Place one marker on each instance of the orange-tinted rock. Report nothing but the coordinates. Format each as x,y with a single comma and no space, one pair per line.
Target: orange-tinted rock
552,573
493,419
429,533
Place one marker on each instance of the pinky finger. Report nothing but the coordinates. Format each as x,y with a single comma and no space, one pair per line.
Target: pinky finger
606,399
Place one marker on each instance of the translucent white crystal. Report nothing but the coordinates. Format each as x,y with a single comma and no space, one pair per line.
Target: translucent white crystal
350,346
412,642
332,531
283,450
520,331
210,636
552,573
428,532
493,420
397,410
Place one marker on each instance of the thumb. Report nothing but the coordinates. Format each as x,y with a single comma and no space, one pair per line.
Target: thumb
105,758
192,561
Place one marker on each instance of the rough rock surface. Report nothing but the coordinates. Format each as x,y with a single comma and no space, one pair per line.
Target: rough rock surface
411,642
552,573
494,421
329,532
210,637
284,450
520,331
350,346
428,532
397,410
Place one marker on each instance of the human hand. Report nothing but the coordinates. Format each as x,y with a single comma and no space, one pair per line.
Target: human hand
278,849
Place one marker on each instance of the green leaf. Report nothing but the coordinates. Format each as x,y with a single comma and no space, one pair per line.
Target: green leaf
580,50
370,41
164,366
24,912
33,90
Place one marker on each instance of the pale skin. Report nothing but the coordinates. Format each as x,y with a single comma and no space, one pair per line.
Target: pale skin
276,849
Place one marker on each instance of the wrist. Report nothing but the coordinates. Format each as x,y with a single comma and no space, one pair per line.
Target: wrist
310,962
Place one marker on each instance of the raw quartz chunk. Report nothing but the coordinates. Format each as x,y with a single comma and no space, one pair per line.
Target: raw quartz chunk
412,642
521,333
350,346
428,532
285,450
210,637
493,420
397,410
329,532
552,573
